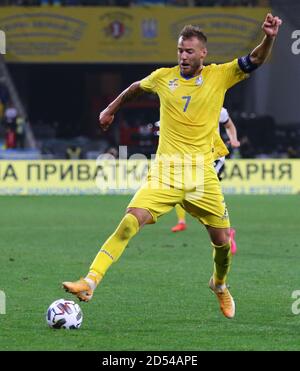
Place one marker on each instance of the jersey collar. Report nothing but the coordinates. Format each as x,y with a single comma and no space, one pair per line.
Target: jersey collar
192,77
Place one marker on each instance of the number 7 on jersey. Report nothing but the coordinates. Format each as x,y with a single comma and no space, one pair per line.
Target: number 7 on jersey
188,99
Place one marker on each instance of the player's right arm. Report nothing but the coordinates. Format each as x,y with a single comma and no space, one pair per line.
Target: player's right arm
106,116
148,85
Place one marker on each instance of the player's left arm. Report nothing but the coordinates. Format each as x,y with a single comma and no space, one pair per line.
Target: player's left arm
259,54
232,133
270,27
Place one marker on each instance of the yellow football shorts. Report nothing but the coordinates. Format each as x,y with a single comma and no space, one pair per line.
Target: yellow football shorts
204,201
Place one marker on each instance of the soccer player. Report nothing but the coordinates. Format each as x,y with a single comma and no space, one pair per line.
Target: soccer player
225,121
191,97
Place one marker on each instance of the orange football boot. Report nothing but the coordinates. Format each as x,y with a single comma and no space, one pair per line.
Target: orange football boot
79,288
226,301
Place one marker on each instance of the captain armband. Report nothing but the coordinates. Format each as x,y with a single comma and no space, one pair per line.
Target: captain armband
246,65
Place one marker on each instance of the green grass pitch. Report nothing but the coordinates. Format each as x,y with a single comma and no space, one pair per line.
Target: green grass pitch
156,297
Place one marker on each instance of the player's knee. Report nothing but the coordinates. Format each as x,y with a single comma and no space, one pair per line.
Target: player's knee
221,238
143,216
127,228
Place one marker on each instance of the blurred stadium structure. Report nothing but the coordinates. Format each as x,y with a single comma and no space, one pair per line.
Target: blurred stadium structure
60,102
136,2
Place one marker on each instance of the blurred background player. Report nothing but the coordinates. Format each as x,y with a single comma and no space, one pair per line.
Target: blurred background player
225,121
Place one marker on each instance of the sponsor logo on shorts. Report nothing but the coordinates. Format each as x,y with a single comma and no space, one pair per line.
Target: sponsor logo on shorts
225,215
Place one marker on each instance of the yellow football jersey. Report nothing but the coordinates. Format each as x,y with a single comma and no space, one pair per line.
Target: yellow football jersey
190,107
219,148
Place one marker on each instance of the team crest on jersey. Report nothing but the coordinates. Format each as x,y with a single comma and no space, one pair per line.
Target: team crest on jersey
199,80
173,84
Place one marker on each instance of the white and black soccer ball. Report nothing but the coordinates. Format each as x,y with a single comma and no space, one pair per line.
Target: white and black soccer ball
64,314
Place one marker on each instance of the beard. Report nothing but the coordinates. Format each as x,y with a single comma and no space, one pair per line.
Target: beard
191,69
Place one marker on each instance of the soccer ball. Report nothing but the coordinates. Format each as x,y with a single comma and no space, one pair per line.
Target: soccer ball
64,314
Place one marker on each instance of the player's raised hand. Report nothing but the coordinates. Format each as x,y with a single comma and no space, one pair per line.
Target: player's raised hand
105,119
271,25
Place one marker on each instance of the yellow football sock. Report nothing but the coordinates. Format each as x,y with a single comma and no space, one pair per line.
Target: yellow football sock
113,248
180,212
222,262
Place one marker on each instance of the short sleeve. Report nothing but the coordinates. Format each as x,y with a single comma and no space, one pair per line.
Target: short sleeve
231,73
149,83
224,116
